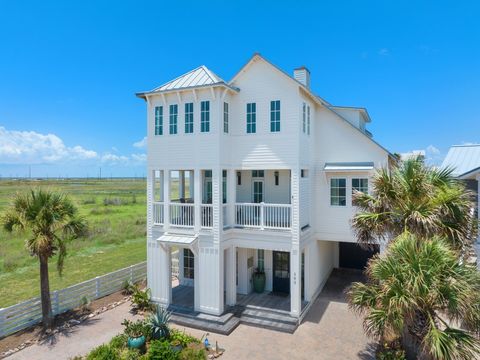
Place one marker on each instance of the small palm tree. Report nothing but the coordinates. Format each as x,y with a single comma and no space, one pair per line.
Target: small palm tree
421,279
417,198
52,220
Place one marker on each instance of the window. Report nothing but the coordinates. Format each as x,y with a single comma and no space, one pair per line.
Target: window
308,120
251,118
188,118
158,120
239,178
173,118
304,117
224,186
261,259
225,117
188,264
208,173
360,185
205,116
277,178
258,173
338,192
275,116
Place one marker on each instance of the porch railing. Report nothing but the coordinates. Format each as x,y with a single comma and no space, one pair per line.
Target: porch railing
182,215
158,213
261,215
206,213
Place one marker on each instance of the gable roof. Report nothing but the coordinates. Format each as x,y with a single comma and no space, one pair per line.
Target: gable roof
199,77
463,158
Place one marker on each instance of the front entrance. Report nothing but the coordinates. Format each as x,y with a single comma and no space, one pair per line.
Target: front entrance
281,272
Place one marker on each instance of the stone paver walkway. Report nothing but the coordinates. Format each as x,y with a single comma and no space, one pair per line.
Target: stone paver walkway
330,331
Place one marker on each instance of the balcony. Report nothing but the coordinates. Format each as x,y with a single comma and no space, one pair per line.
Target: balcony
263,216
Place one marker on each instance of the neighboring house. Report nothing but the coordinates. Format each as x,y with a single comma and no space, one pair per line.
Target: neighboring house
253,172
465,162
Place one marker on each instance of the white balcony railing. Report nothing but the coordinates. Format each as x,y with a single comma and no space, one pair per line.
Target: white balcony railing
182,215
271,216
206,213
157,213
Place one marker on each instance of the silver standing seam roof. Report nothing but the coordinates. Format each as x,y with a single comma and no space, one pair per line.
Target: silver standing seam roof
462,158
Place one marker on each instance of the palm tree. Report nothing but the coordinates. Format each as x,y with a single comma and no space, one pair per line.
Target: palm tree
52,220
416,198
421,279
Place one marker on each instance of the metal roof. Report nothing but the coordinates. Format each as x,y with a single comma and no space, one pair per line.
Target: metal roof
348,166
463,158
200,76
177,239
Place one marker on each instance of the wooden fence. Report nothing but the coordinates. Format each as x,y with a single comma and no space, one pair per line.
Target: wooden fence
22,315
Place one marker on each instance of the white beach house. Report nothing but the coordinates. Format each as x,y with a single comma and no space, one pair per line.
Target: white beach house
253,172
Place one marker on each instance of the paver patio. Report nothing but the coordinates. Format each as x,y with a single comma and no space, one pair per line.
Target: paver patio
330,331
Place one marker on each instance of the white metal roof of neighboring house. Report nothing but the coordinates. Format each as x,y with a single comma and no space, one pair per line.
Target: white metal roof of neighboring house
463,158
348,166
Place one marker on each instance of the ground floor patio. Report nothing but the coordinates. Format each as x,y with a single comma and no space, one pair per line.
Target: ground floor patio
329,331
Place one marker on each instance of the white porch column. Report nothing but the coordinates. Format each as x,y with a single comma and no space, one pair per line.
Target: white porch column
197,198
160,274
181,186
231,281
295,260
166,199
231,196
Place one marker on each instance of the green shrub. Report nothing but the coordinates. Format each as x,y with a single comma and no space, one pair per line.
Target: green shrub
192,354
136,329
391,354
130,354
183,337
103,352
119,342
161,350
158,323
141,299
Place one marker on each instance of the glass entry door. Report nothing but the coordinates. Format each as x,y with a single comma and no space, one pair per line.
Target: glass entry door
281,272
257,191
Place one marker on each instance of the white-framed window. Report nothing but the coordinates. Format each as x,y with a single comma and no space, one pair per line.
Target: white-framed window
258,173
304,118
225,118
205,116
275,116
224,186
251,118
338,192
360,184
158,120
173,118
188,118
188,264
308,120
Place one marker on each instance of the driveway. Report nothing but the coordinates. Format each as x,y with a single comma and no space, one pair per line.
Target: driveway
329,331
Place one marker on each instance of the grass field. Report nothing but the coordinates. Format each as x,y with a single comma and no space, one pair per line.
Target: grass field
116,214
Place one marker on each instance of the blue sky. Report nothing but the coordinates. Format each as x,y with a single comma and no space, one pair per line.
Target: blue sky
69,70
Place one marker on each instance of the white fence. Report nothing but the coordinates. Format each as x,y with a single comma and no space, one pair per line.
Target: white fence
28,313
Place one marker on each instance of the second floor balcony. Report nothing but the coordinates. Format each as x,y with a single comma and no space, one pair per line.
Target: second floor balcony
260,200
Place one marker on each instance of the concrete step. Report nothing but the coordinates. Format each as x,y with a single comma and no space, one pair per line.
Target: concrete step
206,325
266,315
273,319
269,324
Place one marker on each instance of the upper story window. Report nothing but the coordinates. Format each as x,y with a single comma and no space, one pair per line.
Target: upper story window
225,117
308,120
360,184
205,116
158,120
258,173
188,118
173,118
277,178
275,116
239,178
304,118
251,118
224,186
338,192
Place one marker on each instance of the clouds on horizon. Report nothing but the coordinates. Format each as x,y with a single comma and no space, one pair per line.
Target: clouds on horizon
30,147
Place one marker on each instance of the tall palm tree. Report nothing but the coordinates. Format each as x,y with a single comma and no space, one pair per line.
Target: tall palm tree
421,278
420,199
52,219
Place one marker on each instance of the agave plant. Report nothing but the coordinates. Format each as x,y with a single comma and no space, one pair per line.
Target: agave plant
159,323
